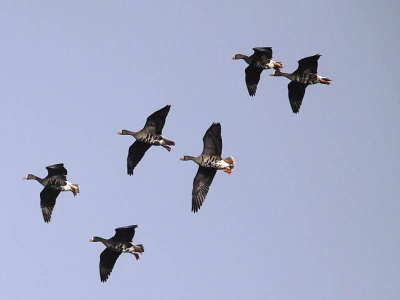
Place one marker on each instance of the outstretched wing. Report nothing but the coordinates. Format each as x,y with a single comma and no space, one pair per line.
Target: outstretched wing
252,79
201,185
124,234
135,154
308,64
263,51
155,122
296,95
212,141
48,198
107,261
57,170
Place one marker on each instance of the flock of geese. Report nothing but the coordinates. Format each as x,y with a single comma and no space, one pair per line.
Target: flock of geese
209,161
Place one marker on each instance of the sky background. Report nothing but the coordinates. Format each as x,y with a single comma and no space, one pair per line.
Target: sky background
312,208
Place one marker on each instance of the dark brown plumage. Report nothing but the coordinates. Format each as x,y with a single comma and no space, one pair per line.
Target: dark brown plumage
119,243
303,76
150,135
260,60
54,183
209,162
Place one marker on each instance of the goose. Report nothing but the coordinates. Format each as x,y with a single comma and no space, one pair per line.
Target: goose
149,136
119,243
54,183
260,60
305,74
209,162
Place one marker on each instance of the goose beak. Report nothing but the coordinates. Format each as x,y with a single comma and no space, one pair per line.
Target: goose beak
181,158
91,240
233,57
25,177
119,132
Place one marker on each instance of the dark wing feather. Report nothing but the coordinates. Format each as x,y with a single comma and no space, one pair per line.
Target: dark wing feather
155,122
296,95
263,51
107,261
212,140
57,170
308,64
252,79
124,234
48,198
135,154
201,184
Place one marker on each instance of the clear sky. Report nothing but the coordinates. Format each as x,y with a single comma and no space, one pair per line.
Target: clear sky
312,208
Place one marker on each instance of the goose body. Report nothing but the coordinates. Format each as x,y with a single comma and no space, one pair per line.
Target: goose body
305,75
215,162
121,242
54,183
150,135
260,60
209,162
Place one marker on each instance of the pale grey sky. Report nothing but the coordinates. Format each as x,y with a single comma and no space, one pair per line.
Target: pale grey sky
311,210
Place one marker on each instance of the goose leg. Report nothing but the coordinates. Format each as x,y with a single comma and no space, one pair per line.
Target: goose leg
228,161
323,81
74,190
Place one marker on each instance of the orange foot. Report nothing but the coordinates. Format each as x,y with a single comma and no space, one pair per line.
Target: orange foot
74,191
323,81
228,171
168,148
228,161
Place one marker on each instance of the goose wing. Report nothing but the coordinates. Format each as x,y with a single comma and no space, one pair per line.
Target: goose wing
57,170
212,141
124,234
48,198
252,78
265,52
107,261
135,154
308,64
155,122
296,95
201,185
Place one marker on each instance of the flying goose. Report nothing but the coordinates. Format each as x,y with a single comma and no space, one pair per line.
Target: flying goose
149,136
119,243
209,162
54,183
306,74
260,60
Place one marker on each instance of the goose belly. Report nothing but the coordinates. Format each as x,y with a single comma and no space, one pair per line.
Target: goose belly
209,162
307,79
216,163
152,139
